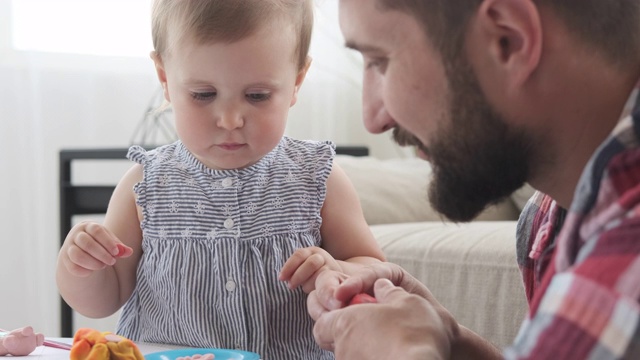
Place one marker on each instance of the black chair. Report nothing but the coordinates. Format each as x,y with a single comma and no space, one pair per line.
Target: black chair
91,200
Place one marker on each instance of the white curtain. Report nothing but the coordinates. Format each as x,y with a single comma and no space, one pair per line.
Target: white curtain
51,101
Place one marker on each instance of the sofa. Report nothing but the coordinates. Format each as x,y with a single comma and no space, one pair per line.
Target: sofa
470,267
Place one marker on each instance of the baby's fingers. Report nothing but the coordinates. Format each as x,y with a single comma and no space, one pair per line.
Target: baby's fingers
82,264
299,259
290,266
106,239
307,272
90,246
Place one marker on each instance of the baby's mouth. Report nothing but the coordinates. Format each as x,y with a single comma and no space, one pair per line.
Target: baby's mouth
231,146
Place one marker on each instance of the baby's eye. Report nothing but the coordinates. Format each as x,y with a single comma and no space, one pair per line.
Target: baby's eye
258,97
203,96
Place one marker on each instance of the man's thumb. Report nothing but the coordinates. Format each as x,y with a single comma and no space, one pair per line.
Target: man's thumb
383,289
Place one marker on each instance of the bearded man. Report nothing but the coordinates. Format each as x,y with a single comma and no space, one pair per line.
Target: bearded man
498,93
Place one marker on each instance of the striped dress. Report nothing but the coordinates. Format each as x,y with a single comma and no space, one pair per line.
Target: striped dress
213,244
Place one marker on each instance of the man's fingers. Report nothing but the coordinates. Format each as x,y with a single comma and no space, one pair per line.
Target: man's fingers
314,306
364,280
326,330
386,291
326,284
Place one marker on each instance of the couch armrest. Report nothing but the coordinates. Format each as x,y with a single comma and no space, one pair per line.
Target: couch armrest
470,268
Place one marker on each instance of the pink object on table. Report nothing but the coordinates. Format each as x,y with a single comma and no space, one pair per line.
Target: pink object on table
57,344
24,340
20,342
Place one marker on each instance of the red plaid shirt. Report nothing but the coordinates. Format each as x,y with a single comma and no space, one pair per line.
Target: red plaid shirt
582,272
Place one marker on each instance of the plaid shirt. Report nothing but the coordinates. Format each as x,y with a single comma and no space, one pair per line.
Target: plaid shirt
583,281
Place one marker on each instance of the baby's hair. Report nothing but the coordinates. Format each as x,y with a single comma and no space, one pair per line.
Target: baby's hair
207,21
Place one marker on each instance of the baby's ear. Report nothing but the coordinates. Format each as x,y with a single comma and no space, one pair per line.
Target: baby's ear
162,75
302,73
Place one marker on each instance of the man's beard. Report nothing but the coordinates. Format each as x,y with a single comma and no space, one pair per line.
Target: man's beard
477,159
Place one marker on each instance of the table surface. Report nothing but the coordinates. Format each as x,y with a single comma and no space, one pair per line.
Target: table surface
46,352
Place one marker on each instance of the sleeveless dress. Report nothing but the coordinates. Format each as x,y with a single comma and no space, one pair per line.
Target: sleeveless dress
213,244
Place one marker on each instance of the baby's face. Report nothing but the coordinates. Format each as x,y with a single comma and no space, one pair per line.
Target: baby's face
231,100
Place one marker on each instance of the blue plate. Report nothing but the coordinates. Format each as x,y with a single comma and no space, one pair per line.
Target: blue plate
220,354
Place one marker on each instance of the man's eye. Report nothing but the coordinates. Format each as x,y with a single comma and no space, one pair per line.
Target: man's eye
379,63
257,97
203,96
371,64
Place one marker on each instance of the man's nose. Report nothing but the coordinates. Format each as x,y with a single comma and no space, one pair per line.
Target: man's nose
375,116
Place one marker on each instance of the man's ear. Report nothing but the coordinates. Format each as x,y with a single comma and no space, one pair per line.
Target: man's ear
300,79
162,75
511,30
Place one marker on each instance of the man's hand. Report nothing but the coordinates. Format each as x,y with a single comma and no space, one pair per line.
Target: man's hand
407,322
399,326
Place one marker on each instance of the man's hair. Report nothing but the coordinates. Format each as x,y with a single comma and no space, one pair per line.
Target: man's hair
228,21
611,28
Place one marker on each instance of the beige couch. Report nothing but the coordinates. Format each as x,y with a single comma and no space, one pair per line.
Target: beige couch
470,268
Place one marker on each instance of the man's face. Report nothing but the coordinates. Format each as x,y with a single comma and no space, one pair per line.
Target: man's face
477,158
403,78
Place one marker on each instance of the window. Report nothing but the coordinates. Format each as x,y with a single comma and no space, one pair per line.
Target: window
92,27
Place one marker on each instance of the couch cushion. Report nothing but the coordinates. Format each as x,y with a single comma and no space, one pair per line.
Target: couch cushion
521,197
395,190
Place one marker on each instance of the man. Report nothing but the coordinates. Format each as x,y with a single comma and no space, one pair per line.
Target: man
498,93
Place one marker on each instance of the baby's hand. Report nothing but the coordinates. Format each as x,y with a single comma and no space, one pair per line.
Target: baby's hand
91,247
304,265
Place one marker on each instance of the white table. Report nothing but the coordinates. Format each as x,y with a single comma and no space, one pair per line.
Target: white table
45,352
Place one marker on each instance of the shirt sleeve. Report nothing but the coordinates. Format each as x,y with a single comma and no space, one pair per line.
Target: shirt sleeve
589,310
